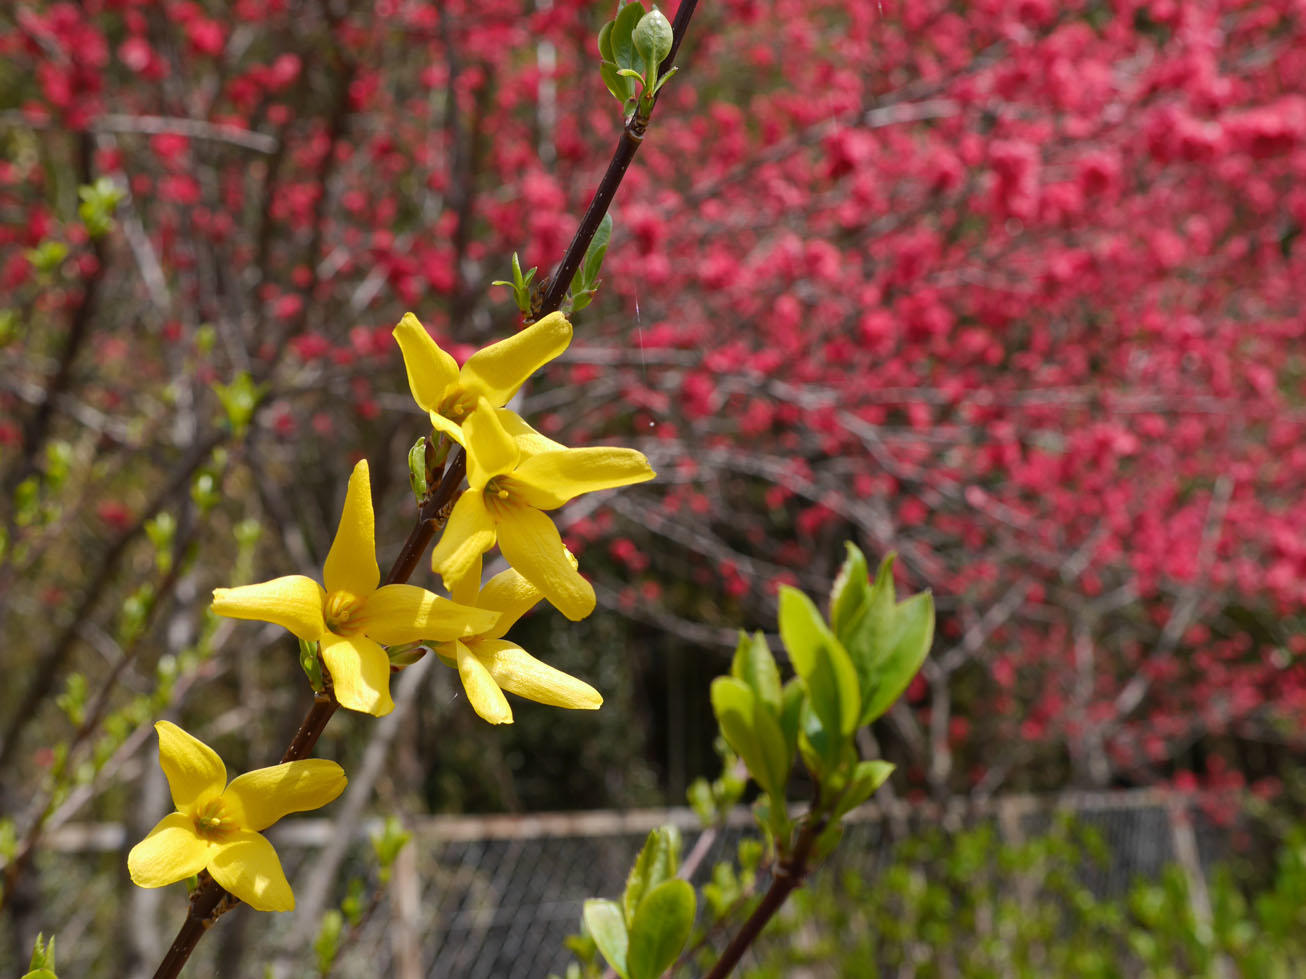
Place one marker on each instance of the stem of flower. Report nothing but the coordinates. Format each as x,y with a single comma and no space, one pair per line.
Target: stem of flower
790,872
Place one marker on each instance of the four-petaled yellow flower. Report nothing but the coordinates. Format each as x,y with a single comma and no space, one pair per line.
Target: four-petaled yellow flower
508,487
488,664
352,616
450,395
216,825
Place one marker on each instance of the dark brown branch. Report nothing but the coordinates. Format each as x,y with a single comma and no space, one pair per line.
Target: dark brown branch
631,137
790,872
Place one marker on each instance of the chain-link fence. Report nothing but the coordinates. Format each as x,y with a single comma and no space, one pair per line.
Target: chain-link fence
495,897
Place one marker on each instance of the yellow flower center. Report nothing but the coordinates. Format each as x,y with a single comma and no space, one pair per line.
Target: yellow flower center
498,493
341,613
457,405
212,821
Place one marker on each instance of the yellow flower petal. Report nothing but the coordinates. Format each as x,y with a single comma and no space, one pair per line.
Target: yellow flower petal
293,602
511,596
431,371
351,563
528,440
257,799
248,867
171,852
497,371
531,544
405,613
465,590
490,450
448,427
360,673
194,771
517,671
550,479
486,697
468,534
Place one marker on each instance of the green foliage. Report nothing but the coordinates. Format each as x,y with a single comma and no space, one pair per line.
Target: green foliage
633,45
661,927
585,283
42,964
606,925
887,640
520,285
387,845
98,202
240,399
311,664
656,863
641,936
417,469
327,943
47,256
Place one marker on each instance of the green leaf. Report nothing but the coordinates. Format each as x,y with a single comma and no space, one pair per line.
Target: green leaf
850,592
867,777
327,942
608,928
42,953
622,89
734,704
605,42
833,687
801,628
598,248
417,469
662,926
623,45
819,746
652,38
791,711
657,861
311,665
909,642
754,664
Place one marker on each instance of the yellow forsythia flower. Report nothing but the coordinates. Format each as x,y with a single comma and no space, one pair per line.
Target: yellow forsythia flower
352,616
216,825
494,373
509,485
488,664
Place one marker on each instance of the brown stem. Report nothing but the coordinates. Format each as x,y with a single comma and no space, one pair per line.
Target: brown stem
790,872
631,138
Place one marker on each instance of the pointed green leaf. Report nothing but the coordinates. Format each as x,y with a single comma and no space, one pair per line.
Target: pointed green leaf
850,592
658,860
622,89
866,778
662,926
772,751
733,703
909,641
598,248
833,687
605,42
623,46
801,629
608,928
867,635
754,664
